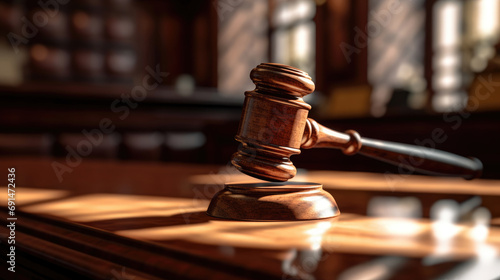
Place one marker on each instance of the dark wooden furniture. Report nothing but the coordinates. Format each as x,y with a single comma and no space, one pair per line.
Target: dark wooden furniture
41,118
86,230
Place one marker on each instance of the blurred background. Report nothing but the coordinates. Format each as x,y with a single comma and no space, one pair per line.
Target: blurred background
163,81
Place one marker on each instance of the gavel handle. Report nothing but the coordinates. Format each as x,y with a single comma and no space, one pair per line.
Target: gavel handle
411,158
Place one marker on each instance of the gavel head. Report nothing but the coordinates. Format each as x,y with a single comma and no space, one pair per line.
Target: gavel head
273,122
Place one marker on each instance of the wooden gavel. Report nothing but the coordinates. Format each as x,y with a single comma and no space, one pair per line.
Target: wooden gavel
274,126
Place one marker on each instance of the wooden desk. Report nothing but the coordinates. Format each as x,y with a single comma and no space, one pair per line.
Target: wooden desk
69,234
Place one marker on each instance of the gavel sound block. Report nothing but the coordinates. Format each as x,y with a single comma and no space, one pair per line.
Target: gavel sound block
274,126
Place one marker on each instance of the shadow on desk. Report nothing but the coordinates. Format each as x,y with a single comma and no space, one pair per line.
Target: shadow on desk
99,236
111,220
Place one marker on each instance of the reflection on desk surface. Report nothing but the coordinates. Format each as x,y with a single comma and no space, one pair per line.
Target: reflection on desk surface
350,247
363,181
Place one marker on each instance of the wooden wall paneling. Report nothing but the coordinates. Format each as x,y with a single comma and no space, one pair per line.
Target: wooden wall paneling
341,25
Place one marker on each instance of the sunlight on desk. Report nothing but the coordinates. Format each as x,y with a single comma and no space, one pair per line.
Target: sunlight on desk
385,244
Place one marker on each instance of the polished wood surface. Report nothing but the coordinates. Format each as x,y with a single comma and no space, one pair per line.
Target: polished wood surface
109,220
354,191
274,126
100,236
